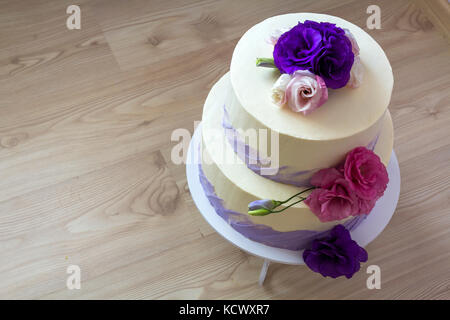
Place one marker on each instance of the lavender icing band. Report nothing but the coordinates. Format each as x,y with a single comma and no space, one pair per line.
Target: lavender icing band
257,164
291,240
249,155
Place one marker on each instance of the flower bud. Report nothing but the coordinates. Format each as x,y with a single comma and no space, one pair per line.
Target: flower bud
263,204
259,212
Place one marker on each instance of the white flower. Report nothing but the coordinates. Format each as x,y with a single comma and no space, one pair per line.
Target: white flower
273,38
356,74
357,70
279,89
351,37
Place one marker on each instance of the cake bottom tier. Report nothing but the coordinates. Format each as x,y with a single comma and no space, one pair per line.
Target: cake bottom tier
230,185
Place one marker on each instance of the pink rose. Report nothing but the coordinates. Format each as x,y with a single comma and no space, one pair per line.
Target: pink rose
366,173
325,178
351,189
335,203
306,92
365,206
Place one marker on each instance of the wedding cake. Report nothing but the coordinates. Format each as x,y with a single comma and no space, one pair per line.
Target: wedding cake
297,135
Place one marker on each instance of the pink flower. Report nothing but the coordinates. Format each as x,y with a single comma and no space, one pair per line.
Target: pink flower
365,206
349,190
366,174
306,92
335,203
356,73
325,178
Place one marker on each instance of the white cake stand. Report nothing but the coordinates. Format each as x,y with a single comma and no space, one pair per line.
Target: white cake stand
367,231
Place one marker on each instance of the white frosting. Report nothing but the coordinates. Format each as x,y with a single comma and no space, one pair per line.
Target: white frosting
299,153
347,112
350,118
238,186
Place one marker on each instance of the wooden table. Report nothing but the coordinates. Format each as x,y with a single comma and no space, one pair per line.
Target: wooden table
86,118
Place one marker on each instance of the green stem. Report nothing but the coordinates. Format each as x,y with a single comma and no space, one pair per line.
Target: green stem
297,194
302,199
263,212
265,62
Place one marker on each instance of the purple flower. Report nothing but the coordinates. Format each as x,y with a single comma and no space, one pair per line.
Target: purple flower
321,48
262,204
335,255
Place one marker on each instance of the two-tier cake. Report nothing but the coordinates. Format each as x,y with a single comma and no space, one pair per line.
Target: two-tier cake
296,137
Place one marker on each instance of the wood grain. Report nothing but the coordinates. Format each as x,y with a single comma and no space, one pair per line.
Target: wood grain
87,178
438,12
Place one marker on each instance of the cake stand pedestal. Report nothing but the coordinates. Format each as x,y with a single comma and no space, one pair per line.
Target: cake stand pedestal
366,232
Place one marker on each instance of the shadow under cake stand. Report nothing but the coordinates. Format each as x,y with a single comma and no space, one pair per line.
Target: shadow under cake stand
366,232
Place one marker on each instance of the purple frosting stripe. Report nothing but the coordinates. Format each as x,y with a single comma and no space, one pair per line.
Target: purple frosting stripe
251,158
291,240
249,155
371,145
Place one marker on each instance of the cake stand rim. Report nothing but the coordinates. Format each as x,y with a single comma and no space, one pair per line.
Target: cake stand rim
365,233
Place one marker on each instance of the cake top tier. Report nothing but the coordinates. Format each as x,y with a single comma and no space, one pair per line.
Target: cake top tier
346,112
